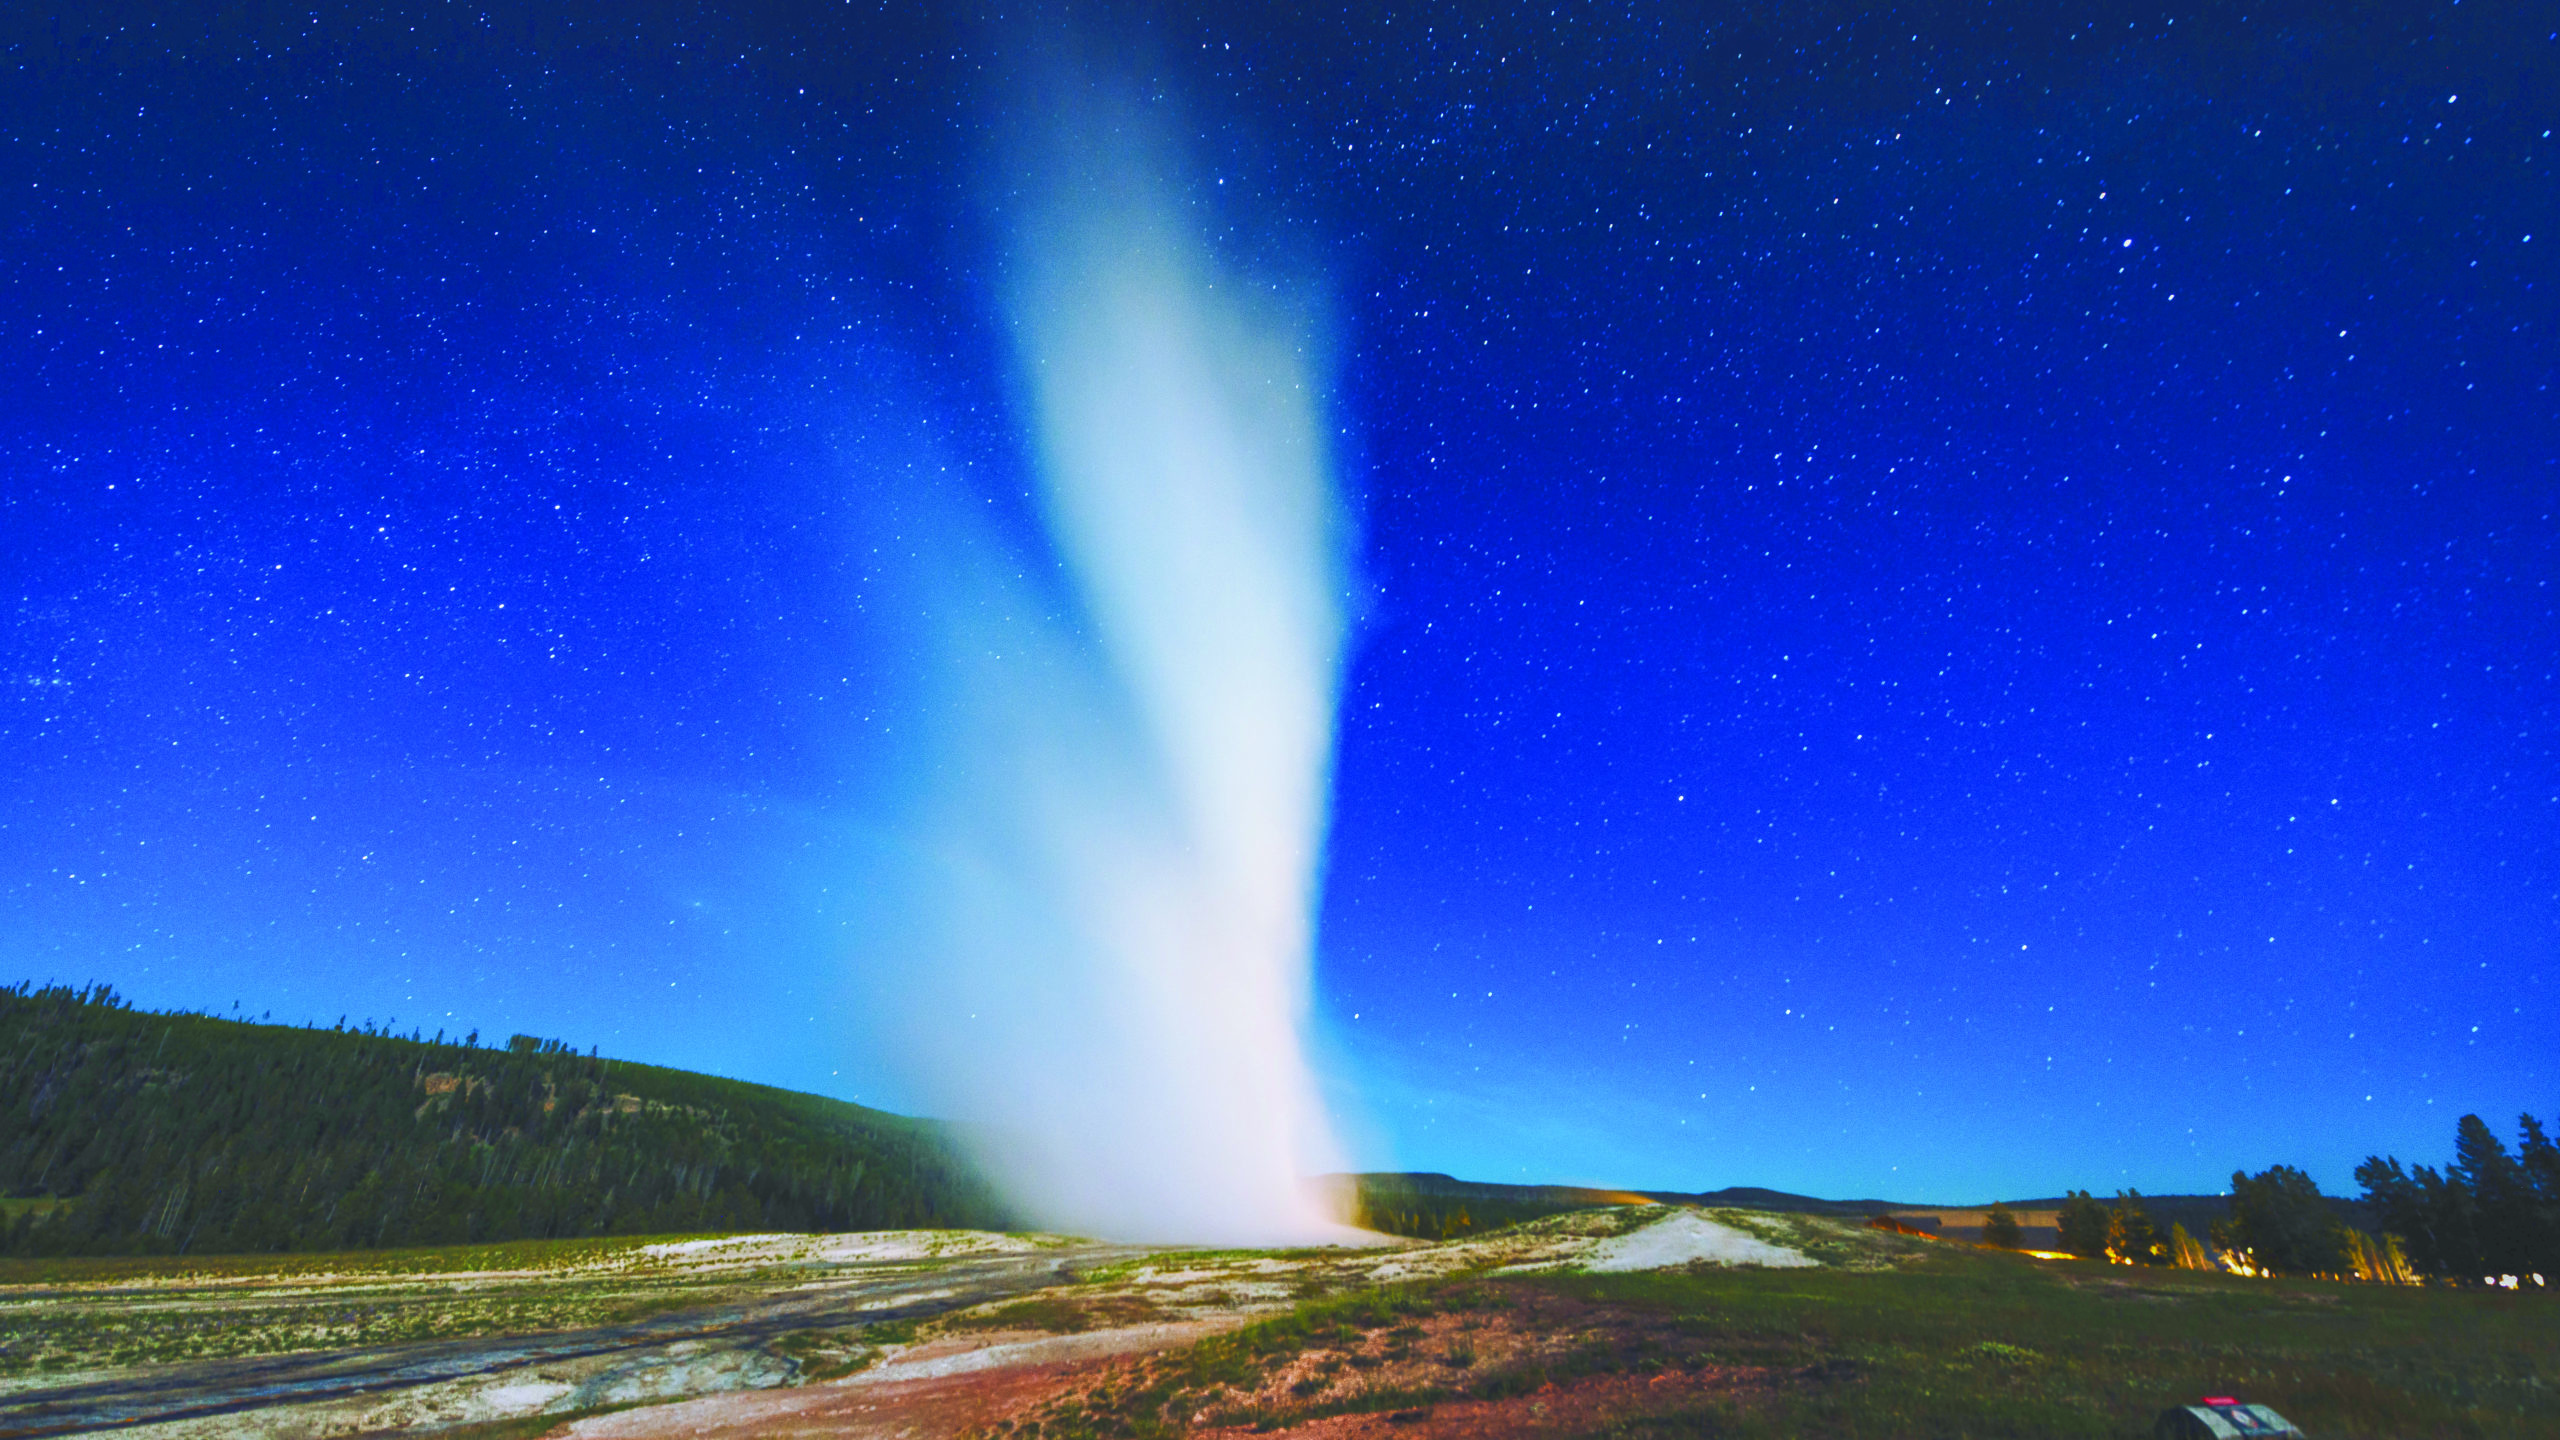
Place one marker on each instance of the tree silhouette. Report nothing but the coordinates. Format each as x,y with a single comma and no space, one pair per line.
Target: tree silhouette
2280,1221
2131,1235
2000,1228
2084,1224
2489,1213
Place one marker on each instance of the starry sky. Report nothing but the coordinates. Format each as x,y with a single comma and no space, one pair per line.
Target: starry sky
1952,600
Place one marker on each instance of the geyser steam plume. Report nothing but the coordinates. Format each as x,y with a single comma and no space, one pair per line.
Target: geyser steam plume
1101,956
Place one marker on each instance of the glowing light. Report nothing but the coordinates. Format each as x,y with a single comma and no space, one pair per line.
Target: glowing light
2381,1262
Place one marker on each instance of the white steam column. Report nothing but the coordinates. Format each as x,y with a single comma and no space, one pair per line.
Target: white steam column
1103,963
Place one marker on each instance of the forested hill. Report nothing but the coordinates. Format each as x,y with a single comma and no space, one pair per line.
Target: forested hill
161,1133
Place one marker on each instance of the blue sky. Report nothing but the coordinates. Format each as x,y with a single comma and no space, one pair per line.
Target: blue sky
1950,603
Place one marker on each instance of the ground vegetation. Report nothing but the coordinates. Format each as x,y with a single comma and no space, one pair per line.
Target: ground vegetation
1944,1341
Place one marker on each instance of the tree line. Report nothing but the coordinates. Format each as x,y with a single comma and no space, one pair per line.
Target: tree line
184,1133
1395,1205
2491,1215
2492,1212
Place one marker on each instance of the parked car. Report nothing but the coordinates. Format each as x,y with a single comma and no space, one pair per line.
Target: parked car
2221,1417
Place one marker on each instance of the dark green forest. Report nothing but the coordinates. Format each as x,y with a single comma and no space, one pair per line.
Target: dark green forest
1436,1207
182,1133
2491,1211
2491,1216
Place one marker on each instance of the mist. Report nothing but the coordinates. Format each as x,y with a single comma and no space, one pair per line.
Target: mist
1094,944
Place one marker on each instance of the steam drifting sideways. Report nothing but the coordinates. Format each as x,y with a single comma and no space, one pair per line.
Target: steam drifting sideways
1098,949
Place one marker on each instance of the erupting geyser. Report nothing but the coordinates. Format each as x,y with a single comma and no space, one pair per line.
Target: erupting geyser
1101,947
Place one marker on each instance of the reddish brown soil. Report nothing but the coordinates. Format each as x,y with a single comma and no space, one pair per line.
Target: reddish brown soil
1609,1365
881,1405
929,1409
1535,1364
1576,1407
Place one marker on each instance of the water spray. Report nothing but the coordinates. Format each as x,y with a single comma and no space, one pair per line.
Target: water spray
1108,930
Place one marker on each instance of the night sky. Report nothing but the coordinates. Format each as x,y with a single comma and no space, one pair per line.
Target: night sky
1952,601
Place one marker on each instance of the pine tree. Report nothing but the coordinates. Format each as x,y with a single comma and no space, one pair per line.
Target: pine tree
2502,1194
2541,1161
2000,1228
2490,1213
2280,1221
2084,1224
2131,1235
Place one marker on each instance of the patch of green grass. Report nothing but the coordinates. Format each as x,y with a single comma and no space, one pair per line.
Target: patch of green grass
76,1314
1051,1314
56,1335
1115,1272
1159,1399
422,1260
1057,1313
1940,1342
1248,1265
1240,1355
824,1355
1837,1243
1977,1344
1197,1259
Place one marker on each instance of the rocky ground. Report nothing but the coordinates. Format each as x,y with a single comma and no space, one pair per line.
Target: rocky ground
913,1334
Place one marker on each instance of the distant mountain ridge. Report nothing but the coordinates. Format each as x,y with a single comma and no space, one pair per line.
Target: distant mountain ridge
1437,1206
123,1131
1432,1183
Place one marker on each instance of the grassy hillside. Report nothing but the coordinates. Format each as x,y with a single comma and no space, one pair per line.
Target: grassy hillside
1427,1205
184,1133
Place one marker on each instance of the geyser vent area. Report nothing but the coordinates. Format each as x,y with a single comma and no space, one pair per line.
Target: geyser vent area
1098,954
